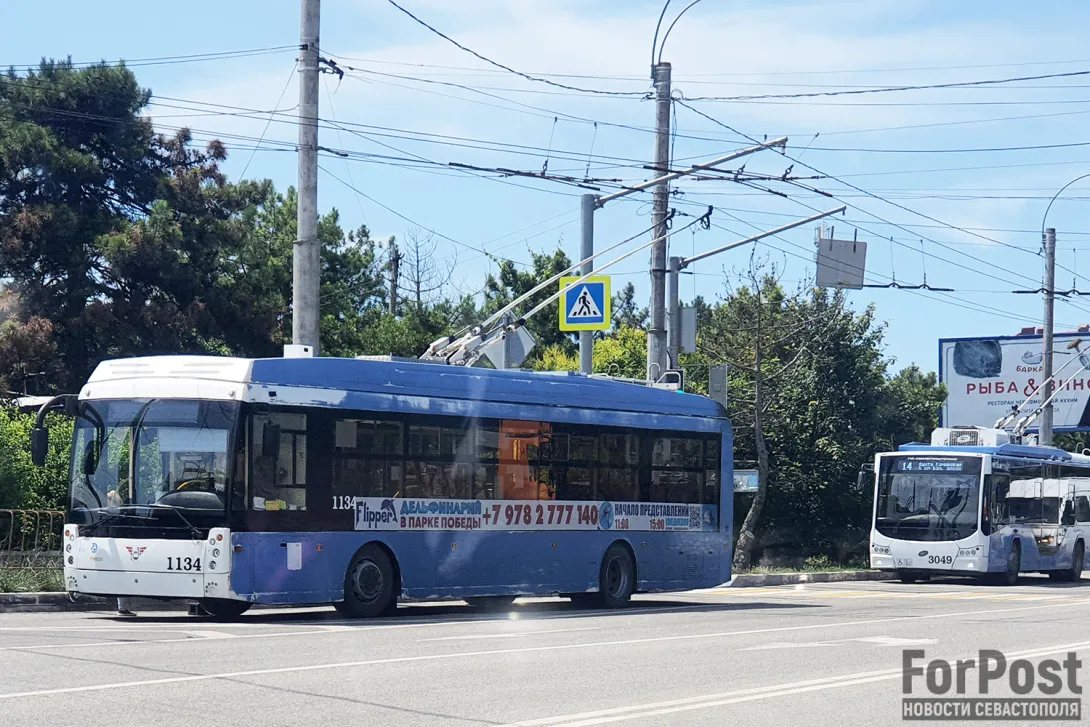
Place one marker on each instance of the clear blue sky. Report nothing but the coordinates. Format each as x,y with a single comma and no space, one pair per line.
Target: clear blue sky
720,48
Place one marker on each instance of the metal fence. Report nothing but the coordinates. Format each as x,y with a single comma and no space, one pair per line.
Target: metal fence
30,538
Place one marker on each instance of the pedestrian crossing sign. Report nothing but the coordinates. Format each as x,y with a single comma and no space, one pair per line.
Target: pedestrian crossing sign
585,306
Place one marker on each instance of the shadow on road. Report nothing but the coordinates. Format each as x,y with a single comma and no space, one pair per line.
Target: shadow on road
459,611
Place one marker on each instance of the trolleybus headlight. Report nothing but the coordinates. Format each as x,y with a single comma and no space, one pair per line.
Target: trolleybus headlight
216,553
212,565
963,552
880,549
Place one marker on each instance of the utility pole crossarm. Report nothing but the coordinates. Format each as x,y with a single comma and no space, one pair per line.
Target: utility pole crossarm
677,264
685,262
781,142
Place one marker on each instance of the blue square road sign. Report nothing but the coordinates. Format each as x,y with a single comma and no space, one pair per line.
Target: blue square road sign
585,306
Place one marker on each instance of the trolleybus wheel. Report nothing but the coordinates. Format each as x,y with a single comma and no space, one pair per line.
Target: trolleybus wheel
1009,576
617,577
1074,573
224,608
370,587
907,577
490,603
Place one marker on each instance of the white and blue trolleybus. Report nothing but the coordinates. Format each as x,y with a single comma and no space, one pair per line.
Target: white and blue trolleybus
973,502
230,482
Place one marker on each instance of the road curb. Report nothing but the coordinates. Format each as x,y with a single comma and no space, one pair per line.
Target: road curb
39,602
751,580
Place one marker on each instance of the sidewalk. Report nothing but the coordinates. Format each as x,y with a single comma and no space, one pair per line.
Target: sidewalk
750,580
42,602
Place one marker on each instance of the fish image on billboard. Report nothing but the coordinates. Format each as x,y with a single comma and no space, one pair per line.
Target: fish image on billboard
978,359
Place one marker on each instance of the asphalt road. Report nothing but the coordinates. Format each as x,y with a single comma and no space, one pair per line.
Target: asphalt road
816,655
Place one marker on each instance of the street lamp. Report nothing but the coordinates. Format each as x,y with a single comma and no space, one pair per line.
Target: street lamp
1048,241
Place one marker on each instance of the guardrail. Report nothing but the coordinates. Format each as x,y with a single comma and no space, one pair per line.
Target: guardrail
30,538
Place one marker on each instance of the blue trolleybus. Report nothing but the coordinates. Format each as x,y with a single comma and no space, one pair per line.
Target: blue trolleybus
973,503
231,482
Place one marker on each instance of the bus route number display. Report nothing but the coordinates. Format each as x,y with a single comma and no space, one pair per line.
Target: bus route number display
391,513
929,465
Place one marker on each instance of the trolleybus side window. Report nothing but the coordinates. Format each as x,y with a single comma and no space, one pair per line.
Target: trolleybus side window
366,454
1024,503
279,477
995,502
1082,509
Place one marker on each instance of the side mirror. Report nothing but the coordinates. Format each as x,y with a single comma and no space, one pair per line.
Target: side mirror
270,440
864,479
39,445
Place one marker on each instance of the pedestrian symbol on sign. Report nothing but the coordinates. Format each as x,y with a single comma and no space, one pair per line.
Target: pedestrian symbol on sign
584,306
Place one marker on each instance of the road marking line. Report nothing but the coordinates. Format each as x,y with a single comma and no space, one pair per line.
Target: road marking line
894,641
501,652
779,645
509,635
642,711
212,634
133,642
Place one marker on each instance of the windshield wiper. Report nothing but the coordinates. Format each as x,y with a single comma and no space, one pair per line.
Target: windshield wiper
943,522
110,517
193,530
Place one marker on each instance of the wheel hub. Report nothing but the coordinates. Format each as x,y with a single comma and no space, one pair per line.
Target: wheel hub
367,581
616,579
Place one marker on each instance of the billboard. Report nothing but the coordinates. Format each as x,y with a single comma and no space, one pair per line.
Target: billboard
987,378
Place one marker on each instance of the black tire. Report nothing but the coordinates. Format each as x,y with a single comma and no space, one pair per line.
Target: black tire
1009,576
617,577
341,608
370,584
1074,573
491,603
224,608
907,578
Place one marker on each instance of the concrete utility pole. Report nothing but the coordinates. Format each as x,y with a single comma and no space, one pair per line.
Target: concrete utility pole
1050,300
587,205
656,339
306,256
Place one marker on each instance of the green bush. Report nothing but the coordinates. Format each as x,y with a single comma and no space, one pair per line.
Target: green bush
22,485
819,563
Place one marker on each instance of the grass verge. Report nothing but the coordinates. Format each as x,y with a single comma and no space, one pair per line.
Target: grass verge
31,580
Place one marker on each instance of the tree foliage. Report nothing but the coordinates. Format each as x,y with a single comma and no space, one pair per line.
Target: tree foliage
22,485
828,404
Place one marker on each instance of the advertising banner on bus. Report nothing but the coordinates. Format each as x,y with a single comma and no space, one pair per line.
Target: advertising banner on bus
987,378
394,513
